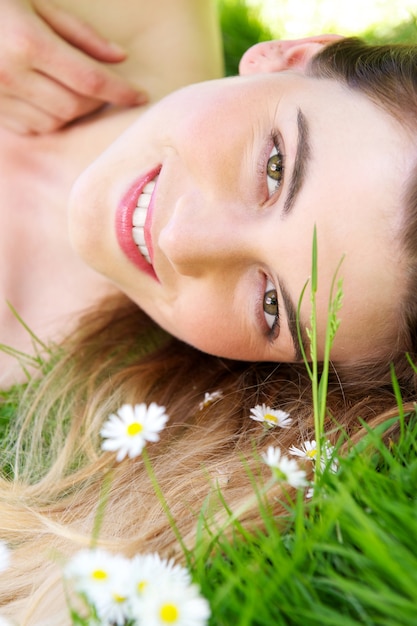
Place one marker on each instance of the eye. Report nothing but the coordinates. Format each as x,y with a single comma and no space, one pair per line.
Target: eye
275,168
270,305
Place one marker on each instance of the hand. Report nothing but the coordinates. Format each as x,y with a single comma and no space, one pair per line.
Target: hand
52,68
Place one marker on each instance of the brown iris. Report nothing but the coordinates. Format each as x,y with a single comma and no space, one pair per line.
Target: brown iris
275,168
270,303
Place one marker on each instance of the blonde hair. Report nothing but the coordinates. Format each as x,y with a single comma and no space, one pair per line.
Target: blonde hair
118,355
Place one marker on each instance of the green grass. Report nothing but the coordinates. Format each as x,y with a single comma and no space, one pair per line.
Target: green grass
348,556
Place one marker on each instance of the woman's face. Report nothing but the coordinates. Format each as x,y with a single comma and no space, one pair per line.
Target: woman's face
238,173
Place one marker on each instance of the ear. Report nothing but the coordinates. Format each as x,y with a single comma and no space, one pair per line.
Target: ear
276,56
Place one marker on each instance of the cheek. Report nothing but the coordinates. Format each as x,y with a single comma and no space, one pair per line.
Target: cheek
210,329
207,116
201,329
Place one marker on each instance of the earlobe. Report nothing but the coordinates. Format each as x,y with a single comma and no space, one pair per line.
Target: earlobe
276,56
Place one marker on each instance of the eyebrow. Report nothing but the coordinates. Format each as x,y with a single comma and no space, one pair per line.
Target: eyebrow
298,176
301,160
292,325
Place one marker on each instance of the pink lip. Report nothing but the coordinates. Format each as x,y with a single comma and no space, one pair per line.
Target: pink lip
148,224
124,217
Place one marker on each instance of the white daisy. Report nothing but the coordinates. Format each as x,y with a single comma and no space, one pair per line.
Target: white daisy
284,469
150,569
96,575
209,398
131,427
328,460
270,417
310,493
114,607
174,605
307,450
4,556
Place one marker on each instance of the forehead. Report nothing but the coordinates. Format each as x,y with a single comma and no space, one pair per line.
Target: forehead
353,195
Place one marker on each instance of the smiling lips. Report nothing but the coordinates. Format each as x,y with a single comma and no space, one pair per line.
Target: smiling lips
134,221
139,219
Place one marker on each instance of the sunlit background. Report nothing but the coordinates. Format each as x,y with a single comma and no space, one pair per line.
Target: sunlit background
297,18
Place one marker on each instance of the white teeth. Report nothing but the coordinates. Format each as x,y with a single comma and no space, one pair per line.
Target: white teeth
144,200
139,218
149,187
138,235
144,251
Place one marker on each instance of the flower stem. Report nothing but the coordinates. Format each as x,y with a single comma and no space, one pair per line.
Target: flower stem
164,504
101,507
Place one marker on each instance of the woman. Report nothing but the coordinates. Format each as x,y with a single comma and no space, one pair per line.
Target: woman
118,355
209,272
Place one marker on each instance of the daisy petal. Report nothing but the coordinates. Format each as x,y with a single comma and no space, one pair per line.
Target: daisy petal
284,469
127,431
270,417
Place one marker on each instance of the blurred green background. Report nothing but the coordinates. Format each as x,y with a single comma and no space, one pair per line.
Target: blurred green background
245,22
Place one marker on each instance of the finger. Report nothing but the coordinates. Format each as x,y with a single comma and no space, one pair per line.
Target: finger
43,50
54,99
24,118
84,75
79,34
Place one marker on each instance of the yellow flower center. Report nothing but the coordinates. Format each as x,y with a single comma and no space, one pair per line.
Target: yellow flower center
169,613
99,574
311,453
271,418
142,585
119,599
134,429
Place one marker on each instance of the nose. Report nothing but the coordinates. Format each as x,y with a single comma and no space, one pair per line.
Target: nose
200,239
